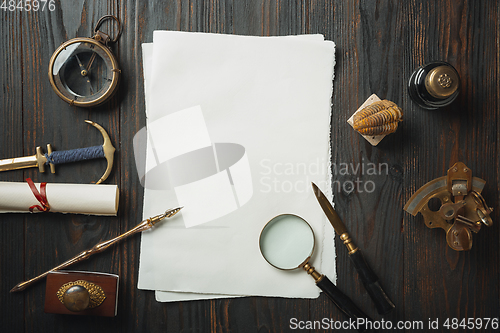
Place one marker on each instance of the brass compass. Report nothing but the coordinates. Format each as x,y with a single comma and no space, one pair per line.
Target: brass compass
83,71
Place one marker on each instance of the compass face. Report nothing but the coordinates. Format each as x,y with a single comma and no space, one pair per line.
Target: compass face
83,72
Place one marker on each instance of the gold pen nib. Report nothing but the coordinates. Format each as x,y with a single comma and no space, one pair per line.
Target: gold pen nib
172,212
169,213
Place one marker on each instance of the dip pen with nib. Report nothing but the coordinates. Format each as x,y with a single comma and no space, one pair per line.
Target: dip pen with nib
144,225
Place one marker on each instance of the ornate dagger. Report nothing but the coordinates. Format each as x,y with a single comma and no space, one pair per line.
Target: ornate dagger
144,225
106,150
368,277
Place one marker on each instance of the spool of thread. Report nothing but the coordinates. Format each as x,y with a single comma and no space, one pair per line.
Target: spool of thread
434,85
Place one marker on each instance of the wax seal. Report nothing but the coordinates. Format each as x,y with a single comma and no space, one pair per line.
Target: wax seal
76,298
434,85
80,295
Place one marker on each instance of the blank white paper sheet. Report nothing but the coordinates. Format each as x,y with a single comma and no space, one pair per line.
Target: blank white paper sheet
237,129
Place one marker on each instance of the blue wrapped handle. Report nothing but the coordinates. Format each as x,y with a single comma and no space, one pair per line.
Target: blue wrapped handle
75,155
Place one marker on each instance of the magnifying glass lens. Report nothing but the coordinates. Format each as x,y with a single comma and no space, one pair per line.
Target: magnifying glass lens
287,241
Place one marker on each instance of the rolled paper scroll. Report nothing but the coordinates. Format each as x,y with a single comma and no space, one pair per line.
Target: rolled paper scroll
90,199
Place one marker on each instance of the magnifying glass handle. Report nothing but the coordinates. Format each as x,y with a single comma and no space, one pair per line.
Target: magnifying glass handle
344,303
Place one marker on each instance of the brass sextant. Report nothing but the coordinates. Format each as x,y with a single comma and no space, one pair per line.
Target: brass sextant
453,203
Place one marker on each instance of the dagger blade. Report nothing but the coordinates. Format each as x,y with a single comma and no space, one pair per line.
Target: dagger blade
37,160
18,163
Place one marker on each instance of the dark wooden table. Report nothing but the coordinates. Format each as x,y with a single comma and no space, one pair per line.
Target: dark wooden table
379,44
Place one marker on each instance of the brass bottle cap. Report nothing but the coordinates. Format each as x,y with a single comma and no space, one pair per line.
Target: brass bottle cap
442,82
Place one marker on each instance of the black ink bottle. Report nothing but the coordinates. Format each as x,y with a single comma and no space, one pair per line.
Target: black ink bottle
434,85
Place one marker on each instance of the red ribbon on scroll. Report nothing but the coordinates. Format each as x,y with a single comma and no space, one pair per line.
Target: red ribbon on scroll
40,196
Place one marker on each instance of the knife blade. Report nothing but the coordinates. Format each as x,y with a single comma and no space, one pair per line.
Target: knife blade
367,275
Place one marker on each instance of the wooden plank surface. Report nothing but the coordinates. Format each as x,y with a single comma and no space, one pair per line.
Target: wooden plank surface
378,45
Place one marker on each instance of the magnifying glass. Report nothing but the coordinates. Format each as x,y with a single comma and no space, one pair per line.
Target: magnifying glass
287,243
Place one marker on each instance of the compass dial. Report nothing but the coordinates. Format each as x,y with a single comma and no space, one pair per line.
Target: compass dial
83,72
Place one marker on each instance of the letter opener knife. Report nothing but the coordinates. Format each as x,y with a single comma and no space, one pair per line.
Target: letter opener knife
366,274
